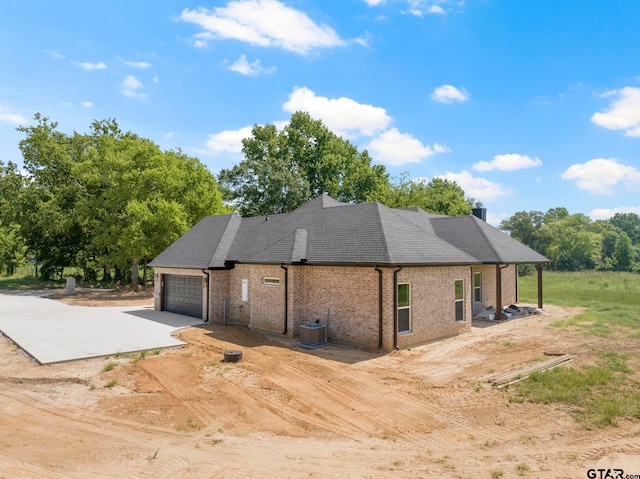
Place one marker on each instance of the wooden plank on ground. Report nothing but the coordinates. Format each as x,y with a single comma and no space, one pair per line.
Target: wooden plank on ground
515,376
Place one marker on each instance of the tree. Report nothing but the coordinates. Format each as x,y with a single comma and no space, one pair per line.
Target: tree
12,249
51,229
283,170
623,253
630,224
107,199
524,227
438,195
12,246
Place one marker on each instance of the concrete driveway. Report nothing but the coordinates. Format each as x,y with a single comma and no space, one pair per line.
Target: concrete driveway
53,332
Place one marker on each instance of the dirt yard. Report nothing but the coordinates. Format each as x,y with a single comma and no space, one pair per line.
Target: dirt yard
284,412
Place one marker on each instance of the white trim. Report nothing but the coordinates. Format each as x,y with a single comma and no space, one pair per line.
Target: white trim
479,288
404,307
456,301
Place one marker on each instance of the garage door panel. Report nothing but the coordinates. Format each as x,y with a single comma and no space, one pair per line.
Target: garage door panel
183,295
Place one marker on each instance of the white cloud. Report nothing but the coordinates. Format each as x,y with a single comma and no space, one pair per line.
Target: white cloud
229,141
265,23
449,94
476,187
342,115
87,104
436,9
170,134
365,40
91,66
6,115
141,65
606,213
420,8
508,162
623,112
395,148
132,87
599,176
438,148
54,54
155,79
243,67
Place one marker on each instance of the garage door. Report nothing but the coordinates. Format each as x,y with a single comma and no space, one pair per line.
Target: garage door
183,295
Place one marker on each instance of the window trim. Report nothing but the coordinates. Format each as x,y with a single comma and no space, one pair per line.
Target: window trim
408,308
477,289
271,281
456,301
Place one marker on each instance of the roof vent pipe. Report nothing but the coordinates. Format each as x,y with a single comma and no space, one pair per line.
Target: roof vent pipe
480,211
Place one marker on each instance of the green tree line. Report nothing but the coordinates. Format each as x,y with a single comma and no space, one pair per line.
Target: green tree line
106,202
100,202
575,242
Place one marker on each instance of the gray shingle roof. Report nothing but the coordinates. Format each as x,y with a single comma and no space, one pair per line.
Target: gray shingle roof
326,231
483,241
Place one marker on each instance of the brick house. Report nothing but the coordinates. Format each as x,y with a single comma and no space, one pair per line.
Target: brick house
374,275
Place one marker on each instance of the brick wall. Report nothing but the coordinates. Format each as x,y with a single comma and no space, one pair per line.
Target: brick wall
432,303
344,298
218,294
509,285
267,300
488,290
509,281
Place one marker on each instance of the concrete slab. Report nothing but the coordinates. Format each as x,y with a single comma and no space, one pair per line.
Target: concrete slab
53,332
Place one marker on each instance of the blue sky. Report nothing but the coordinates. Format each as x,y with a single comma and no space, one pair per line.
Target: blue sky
528,105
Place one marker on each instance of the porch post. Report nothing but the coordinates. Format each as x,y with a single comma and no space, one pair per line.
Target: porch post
539,269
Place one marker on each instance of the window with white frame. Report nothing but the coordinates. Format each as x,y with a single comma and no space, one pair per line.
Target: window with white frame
404,308
477,287
459,301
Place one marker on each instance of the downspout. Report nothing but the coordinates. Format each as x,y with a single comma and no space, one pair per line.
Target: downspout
286,298
206,316
379,306
395,307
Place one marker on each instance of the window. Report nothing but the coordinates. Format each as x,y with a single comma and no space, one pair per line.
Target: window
404,300
477,287
271,281
459,287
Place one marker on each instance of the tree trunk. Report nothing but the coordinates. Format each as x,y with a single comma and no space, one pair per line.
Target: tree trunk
106,274
135,273
118,274
144,273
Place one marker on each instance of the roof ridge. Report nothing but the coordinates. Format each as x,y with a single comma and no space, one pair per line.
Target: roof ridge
477,224
289,234
226,240
382,227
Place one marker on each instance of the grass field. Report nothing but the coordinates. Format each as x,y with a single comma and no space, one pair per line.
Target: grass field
24,278
609,388
610,299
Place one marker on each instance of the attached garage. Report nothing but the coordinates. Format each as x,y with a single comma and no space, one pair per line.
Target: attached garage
183,295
